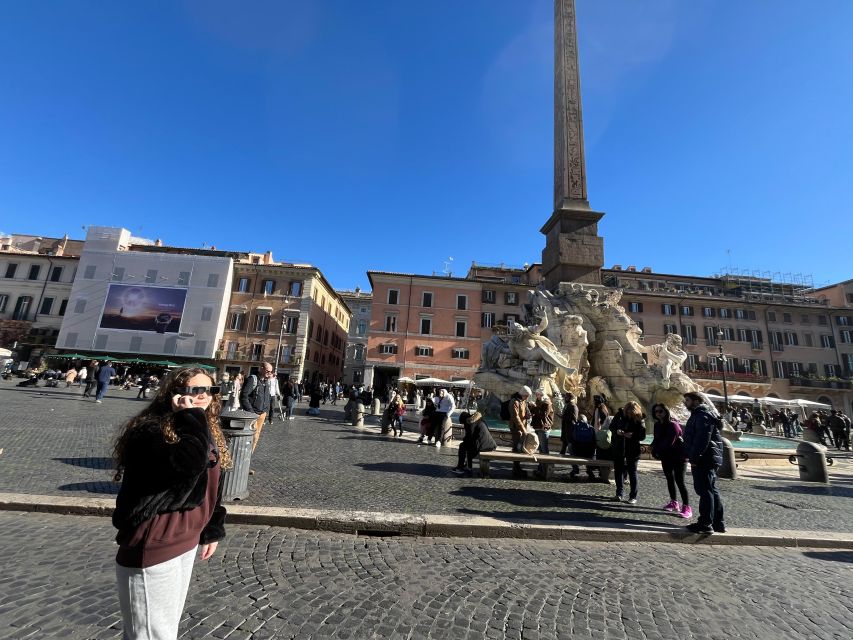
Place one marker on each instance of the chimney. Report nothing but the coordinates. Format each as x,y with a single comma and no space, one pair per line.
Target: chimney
268,257
647,269
617,267
357,290
631,268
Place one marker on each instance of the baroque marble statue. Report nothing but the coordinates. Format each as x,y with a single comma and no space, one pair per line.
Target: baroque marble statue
580,339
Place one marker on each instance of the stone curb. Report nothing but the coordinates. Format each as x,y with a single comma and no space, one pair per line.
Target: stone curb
444,526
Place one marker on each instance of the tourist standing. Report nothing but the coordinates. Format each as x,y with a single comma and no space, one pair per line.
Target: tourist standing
168,459
256,393
426,421
668,447
567,422
82,375
838,427
290,392
256,396
519,416
583,445
846,434
91,380
703,448
629,429
601,420
444,406
397,409
542,420
105,374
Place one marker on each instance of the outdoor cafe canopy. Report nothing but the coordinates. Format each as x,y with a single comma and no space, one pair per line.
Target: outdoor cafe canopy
432,382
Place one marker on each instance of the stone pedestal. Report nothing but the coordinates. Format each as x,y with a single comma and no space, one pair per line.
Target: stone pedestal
574,252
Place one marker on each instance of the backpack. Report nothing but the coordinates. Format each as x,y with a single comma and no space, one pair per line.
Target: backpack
604,437
583,433
505,409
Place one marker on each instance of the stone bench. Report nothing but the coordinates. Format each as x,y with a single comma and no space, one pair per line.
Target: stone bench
548,462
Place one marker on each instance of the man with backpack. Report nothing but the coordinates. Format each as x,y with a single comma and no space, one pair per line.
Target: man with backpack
583,445
257,396
703,448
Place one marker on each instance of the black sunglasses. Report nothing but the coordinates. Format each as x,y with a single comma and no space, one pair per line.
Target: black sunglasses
194,391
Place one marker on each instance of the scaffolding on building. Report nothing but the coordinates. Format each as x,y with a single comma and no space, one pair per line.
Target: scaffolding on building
758,285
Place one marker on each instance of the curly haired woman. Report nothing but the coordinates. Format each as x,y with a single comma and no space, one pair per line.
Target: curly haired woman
169,458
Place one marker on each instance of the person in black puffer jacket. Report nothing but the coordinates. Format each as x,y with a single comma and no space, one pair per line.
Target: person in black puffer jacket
476,440
703,447
168,459
629,430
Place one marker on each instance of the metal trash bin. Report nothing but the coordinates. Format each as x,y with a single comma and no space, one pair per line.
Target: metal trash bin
811,458
238,427
729,467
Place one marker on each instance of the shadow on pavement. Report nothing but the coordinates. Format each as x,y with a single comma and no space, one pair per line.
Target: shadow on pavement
414,469
107,488
818,490
830,556
89,463
571,517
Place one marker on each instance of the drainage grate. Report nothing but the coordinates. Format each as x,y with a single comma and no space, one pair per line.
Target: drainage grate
378,533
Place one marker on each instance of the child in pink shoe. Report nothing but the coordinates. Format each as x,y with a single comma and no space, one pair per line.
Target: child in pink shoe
667,447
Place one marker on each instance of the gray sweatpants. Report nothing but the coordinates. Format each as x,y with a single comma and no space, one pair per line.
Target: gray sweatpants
152,599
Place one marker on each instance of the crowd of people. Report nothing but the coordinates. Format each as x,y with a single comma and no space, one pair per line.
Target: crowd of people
617,437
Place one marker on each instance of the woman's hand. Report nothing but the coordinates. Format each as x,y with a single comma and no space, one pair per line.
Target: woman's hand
181,402
207,550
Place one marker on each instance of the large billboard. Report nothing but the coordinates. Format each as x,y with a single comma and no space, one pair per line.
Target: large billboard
141,308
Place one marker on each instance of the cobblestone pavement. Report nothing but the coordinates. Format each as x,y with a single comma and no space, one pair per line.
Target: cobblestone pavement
58,582
56,443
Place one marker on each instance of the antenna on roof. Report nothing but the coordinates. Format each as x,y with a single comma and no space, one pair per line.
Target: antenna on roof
447,264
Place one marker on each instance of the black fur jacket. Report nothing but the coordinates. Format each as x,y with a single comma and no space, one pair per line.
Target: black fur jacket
161,478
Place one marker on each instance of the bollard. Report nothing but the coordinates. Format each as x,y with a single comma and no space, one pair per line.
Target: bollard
446,432
376,410
348,408
358,415
811,459
238,427
729,467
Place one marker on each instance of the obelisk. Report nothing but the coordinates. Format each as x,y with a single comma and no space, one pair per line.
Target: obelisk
574,252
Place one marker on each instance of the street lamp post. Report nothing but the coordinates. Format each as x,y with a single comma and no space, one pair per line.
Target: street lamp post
722,358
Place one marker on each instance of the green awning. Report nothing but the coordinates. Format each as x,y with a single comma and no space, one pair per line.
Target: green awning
163,363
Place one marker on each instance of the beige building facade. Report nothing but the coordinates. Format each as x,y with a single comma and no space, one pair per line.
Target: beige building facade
36,276
286,314
360,303
780,340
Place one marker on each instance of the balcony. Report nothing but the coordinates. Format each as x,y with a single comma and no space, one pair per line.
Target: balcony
731,376
820,383
775,346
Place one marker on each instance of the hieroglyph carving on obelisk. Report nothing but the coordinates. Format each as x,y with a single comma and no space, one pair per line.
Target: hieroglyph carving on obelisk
569,162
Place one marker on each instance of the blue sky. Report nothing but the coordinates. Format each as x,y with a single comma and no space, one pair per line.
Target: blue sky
392,135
